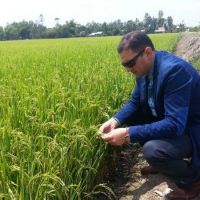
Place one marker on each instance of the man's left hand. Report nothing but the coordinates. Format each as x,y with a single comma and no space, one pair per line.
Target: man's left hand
116,137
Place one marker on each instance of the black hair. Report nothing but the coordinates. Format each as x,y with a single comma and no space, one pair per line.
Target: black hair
136,41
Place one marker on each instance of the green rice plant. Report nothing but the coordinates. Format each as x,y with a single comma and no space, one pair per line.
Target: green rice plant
196,63
54,96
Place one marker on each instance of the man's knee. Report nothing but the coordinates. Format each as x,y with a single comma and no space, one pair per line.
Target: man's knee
153,152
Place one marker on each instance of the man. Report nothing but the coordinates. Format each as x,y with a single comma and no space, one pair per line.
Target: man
163,114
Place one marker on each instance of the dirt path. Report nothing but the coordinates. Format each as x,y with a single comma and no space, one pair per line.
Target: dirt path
188,47
127,182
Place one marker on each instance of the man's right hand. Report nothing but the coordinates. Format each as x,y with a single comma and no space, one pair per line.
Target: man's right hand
108,126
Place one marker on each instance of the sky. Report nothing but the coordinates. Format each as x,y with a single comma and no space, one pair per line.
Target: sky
84,11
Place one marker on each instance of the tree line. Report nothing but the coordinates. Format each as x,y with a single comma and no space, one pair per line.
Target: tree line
37,29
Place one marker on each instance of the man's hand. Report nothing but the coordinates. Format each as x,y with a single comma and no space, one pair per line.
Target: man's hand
108,126
116,137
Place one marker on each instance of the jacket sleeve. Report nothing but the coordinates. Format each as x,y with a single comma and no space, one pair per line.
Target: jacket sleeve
128,110
177,91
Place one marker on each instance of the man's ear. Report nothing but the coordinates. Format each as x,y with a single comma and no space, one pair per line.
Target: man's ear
148,51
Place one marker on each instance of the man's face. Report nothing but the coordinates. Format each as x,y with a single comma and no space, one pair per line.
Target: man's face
137,63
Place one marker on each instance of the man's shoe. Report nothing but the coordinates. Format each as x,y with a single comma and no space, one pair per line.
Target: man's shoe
148,170
180,194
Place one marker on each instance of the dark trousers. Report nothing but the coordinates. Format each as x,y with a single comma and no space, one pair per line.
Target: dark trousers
168,156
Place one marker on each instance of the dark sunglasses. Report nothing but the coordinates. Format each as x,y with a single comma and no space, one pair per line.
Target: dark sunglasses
133,61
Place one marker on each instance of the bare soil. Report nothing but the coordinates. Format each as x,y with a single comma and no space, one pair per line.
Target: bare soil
127,181
188,47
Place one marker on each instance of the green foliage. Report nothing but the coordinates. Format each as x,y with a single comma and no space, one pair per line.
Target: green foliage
195,29
196,63
35,30
54,96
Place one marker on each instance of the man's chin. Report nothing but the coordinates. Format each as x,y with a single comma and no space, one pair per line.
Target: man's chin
138,75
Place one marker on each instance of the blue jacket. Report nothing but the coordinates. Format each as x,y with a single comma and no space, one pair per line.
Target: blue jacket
176,92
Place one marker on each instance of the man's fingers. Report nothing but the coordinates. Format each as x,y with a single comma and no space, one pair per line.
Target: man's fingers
100,130
107,137
104,129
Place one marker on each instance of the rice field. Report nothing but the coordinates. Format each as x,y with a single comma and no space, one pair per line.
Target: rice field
54,94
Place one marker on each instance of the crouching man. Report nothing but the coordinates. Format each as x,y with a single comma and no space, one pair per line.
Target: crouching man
163,114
